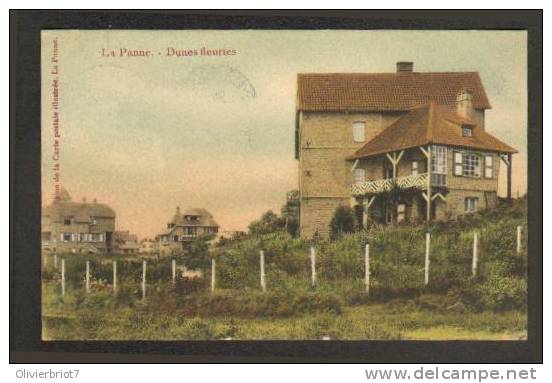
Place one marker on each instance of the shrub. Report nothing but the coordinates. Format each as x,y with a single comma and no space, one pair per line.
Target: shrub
197,257
268,223
497,293
343,221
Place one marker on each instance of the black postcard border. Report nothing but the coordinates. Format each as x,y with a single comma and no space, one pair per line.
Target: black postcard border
26,345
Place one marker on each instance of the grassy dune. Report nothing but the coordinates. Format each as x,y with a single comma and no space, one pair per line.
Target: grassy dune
455,305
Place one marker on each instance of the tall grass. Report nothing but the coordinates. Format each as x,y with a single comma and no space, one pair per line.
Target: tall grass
397,268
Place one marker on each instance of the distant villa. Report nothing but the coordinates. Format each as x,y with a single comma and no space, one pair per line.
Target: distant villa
69,226
185,227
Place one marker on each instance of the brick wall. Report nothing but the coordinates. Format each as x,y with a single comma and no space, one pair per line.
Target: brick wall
325,177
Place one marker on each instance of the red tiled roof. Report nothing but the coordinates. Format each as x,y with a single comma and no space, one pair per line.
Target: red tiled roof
430,124
385,91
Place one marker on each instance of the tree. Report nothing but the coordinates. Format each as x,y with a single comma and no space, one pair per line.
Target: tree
268,223
343,221
197,255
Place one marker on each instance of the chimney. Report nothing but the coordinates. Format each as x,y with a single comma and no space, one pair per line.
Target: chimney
464,104
405,67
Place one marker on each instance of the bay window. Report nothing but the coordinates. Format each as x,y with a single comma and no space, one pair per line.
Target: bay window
439,159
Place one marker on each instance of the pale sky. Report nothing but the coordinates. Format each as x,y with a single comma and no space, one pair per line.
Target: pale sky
147,134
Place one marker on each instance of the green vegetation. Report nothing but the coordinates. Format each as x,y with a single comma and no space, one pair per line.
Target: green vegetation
455,305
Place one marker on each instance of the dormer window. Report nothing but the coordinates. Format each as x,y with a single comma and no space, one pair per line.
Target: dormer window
467,131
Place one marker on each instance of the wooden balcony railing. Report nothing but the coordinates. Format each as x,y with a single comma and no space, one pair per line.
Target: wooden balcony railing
418,181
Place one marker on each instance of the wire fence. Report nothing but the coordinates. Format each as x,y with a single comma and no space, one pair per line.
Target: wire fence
422,263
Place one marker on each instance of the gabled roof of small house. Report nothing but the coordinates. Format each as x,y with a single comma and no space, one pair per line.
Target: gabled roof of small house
204,219
79,211
430,124
378,92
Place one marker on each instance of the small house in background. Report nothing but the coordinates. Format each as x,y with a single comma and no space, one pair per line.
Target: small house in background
77,227
125,243
397,147
185,227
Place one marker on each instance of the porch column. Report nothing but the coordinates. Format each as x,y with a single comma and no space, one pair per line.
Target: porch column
427,196
509,185
428,183
395,161
364,212
366,202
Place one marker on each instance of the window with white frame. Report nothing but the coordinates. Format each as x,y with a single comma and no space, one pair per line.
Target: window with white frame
359,128
415,168
439,159
458,167
470,204
359,175
489,166
471,165
467,131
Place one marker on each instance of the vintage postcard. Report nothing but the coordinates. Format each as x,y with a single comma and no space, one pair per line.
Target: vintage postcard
284,185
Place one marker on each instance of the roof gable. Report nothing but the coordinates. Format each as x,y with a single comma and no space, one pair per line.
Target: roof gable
430,124
385,91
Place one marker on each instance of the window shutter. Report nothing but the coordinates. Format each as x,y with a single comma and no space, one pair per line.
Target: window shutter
458,168
488,166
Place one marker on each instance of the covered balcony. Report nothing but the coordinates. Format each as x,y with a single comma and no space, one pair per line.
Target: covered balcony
417,181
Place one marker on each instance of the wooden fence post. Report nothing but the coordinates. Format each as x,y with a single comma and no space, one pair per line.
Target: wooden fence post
144,266
114,277
474,258
62,277
518,243
313,266
427,250
174,271
88,276
213,271
262,265
367,268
